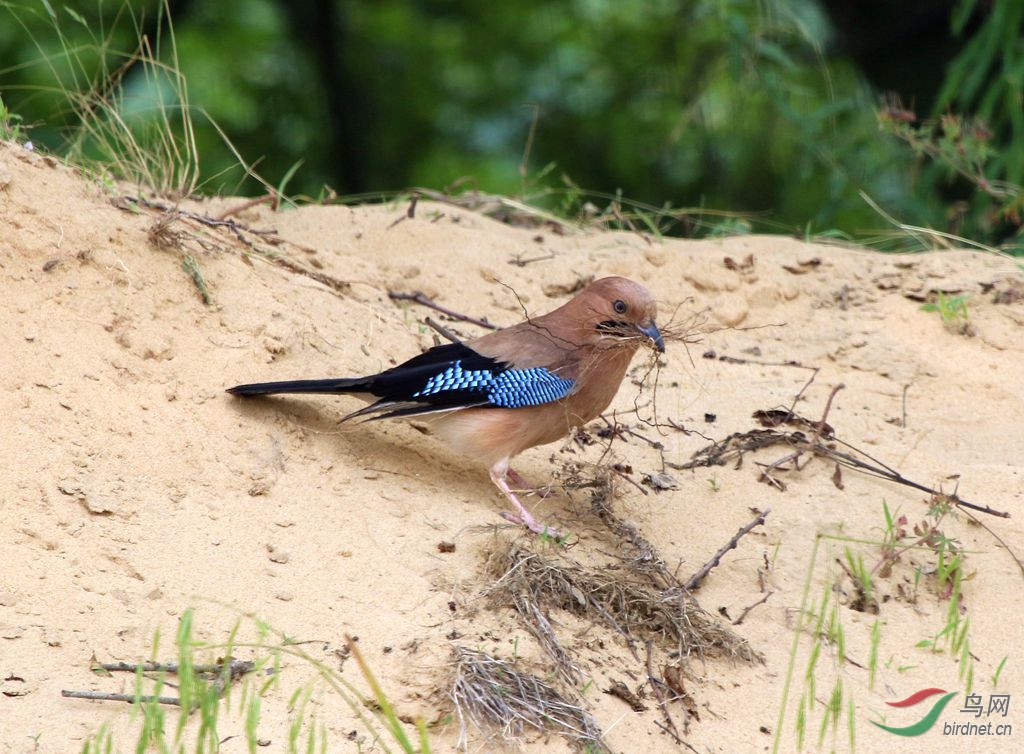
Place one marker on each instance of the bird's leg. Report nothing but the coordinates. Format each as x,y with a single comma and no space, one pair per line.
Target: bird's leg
522,516
522,485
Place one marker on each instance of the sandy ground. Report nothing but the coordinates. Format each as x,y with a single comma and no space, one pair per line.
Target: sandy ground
133,488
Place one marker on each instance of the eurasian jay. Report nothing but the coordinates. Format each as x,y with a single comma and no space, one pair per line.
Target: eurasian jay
493,397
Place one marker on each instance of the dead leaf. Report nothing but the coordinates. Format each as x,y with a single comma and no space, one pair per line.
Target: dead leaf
660,481
621,691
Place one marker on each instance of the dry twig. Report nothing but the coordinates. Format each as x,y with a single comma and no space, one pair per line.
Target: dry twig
103,696
424,300
207,234
748,608
694,581
736,445
235,670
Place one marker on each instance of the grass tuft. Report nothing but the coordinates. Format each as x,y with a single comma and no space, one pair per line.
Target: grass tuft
128,114
492,693
208,680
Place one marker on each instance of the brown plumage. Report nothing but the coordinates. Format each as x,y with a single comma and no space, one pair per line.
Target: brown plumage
495,396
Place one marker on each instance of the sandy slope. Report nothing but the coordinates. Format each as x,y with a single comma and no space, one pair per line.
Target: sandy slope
133,488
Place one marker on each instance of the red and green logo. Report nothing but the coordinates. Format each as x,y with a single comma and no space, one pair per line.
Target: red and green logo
926,722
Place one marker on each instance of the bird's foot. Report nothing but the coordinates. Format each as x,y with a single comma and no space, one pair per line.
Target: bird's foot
533,525
524,486
521,516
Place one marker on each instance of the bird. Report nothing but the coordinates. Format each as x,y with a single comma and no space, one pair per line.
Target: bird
492,397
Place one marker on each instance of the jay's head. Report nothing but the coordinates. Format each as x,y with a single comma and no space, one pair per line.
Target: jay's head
620,313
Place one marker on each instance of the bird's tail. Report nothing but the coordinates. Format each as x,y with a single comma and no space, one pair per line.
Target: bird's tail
338,385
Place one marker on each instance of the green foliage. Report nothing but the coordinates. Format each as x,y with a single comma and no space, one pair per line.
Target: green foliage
117,100
987,78
876,636
206,678
821,631
952,309
860,575
927,536
191,265
11,127
964,147
820,622
733,105
975,135
999,671
716,104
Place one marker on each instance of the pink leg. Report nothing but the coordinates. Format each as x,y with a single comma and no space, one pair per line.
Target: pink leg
522,485
522,516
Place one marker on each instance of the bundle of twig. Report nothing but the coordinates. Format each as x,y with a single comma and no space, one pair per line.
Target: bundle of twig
492,693
631,607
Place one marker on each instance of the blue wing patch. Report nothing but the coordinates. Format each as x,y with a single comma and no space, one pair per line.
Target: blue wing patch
508,388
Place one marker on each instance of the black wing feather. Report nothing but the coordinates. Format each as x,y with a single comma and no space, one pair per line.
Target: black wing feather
403,382
444,378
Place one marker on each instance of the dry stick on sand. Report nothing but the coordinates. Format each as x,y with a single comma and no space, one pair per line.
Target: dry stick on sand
441,330
239,230
103,696
519,261
748,608
239,208
424,300
626,605
648,556
534,583
655,684
235,670
410,213
694,581
735,446
739,443
500,208
129,203
794,457
697,630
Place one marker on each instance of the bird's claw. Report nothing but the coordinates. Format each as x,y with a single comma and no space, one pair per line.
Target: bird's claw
533,525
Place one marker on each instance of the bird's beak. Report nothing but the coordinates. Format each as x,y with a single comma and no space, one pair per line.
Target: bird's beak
651,331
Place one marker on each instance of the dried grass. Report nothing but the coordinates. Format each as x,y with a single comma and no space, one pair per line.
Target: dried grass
609,594
632,591
491,693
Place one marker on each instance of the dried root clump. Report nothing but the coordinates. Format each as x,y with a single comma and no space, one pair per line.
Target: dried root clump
612,595
491,694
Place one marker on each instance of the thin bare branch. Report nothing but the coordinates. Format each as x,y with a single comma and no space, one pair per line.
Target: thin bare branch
694,581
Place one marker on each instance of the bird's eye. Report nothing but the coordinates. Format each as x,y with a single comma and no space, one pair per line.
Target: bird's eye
619,306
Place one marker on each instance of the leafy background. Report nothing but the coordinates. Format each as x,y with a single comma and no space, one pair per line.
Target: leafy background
797,116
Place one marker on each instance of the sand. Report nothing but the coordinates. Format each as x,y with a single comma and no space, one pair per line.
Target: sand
133,488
